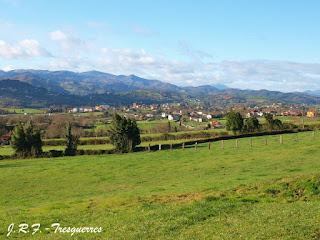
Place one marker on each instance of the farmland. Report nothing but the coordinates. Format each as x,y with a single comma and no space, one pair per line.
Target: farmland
264,191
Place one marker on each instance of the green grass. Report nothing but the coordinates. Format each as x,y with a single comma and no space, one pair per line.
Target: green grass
231,193
22,110
155,134
7,150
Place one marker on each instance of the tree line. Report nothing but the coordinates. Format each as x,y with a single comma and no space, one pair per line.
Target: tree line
237,124
124,135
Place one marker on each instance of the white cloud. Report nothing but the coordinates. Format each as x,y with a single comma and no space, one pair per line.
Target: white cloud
27,48
254,74
10,52
66,41
58,36
33,48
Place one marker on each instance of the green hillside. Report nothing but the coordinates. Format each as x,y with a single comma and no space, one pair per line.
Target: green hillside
259,192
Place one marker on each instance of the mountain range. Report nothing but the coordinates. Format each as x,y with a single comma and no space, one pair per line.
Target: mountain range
72,88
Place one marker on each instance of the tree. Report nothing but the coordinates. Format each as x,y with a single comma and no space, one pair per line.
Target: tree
234,122
251,124
124,134
18,140
272,124
72,142
26,142
2,126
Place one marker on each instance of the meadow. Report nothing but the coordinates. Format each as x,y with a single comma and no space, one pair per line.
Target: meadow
260,192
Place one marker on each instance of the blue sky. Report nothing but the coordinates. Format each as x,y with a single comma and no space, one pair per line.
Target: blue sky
245,44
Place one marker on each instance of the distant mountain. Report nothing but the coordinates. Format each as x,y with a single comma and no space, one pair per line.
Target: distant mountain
201,90
97,82
313,92
219,86
90,82
300,98
17,93
37,82
96,85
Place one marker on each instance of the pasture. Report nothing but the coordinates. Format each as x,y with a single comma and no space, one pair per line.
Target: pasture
259,192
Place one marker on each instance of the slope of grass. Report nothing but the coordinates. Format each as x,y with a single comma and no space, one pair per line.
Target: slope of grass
22,110
259,192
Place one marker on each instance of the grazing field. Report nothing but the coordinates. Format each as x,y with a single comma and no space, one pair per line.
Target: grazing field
260,192
23,110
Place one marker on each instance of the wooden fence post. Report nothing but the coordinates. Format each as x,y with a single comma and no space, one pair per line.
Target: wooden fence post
209,146
195,146
236,143
280,139
296,137
222,144
313,135
183,146
250,142
265,140
159,146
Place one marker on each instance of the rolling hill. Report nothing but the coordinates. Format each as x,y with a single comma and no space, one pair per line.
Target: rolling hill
93,87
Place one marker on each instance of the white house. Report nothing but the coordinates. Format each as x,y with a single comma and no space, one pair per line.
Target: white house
164,115
209,116
170,117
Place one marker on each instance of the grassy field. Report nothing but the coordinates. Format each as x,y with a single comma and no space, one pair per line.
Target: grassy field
22,110
7,150
261,192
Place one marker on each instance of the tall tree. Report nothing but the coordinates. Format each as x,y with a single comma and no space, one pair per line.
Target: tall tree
234,122
124,134
18,140
272,124
26,142
72,142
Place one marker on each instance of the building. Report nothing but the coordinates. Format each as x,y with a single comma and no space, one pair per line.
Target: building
164,115
215,124
311,114
98,108
88,110
75,110
5,139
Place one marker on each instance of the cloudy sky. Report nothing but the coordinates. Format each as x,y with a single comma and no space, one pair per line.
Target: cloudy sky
266,44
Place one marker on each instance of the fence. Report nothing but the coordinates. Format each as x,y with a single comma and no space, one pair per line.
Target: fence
171,146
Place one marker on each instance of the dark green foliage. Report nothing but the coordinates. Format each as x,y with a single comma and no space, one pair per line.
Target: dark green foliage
234,122
72,142
251,124
19,142
272,124
2,126
124,134
26,143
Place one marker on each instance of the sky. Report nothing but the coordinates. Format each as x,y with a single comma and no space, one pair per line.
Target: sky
246,44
